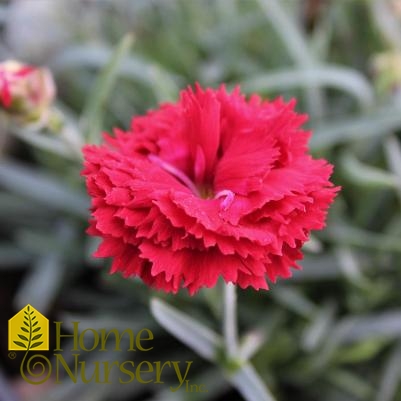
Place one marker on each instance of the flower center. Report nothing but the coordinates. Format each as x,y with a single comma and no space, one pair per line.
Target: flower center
203,191
206,192
177,173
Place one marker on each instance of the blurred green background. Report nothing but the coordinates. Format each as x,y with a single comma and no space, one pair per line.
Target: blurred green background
333,332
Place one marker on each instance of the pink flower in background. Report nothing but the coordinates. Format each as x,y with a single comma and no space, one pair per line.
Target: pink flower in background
214,185
11,72
25,91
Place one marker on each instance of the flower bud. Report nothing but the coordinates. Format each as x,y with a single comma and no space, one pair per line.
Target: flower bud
26,92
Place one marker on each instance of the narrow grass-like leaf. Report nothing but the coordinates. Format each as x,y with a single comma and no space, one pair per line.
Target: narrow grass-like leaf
391,376
350,330
293,39
376,124
367,176
49,272
16,210
313,245
351,383
349,265
329,76
195,335
297,46
250,385
45,142
392,148
251,343
93,112
315,334
386,324
42,188
133,67
351,236
294,300
361,351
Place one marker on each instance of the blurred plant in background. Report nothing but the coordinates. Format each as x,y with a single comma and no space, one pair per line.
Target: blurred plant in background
26,92
332,333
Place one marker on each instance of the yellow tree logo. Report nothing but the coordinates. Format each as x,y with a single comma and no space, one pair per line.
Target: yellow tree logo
28,330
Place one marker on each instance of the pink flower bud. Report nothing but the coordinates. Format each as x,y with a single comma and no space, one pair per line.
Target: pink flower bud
26,92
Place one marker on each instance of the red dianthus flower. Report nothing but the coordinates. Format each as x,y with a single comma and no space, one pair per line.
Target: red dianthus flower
211,186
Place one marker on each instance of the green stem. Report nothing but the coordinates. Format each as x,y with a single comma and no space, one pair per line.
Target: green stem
243,376
230,324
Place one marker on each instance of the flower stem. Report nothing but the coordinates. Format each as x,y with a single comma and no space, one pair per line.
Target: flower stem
230,324
245,378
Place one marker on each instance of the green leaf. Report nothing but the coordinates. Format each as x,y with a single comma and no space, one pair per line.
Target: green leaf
34,324
22,337
94,109
375,124
351,236
391,375
42,187
36,330
361,351
318,329
392,149
363,175
49,272
333,76
36,344
195,335
134,68
11,255
45,142
20,344
295,300
292,37
36,337
26,324
250,385
351,383
24,329
206,343
297,46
